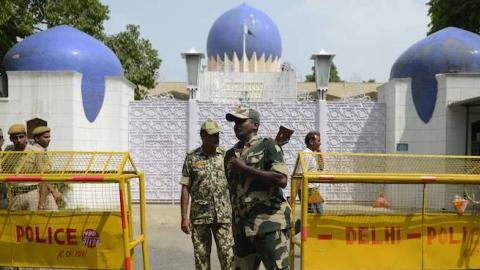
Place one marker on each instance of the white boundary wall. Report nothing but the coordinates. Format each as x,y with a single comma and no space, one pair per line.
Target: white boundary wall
158,135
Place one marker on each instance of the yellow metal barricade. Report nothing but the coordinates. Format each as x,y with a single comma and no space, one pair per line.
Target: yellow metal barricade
387,211
93,227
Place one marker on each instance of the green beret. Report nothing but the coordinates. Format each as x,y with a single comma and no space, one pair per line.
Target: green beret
16,129
40,130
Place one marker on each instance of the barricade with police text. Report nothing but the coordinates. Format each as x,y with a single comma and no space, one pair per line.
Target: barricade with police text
90,226
389,211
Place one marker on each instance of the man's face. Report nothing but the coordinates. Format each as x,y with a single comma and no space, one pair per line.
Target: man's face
315,143
19,141
210,142
244,128
43,139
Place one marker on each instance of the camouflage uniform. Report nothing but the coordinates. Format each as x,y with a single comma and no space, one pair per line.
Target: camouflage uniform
261,214
210,212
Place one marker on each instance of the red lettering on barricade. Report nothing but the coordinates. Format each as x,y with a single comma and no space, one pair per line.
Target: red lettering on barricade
38,239
446,235
390,234
71,238
350,235
58,236
431,234
363,235
29,233
374,237
450,237
442,236
20,233
57,231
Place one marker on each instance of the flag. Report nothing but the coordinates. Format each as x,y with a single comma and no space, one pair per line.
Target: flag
247,31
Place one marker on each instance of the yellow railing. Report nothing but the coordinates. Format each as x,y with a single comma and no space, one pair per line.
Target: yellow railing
85,232
425,225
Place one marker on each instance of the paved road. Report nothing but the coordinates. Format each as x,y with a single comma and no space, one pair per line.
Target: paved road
169,247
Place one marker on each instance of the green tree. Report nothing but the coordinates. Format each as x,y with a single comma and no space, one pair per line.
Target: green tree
463,14
138,58
333,75
21,18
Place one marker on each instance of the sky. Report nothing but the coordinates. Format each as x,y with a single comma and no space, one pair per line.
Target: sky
367,36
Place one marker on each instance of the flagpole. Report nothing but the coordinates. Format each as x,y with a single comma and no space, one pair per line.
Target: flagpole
245,31
244,59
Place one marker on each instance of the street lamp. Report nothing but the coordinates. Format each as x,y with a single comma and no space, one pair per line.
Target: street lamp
322,62
193,58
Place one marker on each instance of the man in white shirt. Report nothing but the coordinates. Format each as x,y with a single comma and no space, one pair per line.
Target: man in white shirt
313,162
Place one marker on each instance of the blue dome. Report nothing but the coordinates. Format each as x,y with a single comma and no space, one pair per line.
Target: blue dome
448,50
66,48
225,36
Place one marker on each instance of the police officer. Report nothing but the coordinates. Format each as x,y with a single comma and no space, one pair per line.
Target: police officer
257,173
48,193
203,178
24,196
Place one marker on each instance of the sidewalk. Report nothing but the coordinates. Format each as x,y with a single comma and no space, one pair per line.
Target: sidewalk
169,247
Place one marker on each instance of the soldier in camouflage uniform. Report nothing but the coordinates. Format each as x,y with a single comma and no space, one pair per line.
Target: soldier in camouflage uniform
256,174
203,178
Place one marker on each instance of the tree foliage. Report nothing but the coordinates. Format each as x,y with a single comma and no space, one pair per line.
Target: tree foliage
334,77
463,14
22,18
138,58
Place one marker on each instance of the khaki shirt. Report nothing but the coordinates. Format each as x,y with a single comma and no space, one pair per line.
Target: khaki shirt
205,178
257,207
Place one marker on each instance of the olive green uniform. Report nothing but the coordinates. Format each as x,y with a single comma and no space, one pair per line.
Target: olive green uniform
210,211
261,214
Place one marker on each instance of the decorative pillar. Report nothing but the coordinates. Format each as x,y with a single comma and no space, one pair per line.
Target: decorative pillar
322,62
193,60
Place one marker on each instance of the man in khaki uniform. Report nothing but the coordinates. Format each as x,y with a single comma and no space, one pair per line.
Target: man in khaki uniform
203,178
41,136
25,196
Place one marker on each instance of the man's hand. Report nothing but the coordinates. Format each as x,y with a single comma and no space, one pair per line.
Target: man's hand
186,225
56,195
239,164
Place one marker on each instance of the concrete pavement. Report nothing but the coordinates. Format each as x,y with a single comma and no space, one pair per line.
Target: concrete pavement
169,247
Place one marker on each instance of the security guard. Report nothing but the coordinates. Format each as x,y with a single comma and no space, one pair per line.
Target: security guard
41,136
256,174
24,196
203,178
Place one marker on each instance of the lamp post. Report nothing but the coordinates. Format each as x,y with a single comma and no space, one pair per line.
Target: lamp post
193,60
322,62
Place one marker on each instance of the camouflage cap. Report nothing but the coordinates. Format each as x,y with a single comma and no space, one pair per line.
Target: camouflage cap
40,130
243,113
16,129
210,126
